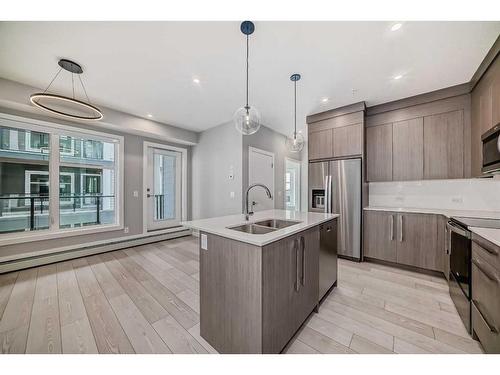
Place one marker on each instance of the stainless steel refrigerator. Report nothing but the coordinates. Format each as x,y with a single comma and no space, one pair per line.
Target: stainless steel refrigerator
335,187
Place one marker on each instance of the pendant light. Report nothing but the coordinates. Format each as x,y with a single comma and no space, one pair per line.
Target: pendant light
247,118
295,142
65,106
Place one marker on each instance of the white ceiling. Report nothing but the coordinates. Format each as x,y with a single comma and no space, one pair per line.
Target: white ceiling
148,67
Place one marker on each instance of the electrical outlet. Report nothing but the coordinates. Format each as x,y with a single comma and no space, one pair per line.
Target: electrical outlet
231,195
125,230
457,199
135,193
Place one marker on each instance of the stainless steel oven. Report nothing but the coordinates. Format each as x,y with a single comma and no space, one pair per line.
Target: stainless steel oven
460,245
491,150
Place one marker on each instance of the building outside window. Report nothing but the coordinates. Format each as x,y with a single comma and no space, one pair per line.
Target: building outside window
86,171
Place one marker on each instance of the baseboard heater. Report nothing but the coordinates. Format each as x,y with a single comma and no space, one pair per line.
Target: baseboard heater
58,256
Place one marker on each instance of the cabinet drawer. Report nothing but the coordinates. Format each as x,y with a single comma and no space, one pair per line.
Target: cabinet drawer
489,339
486,300
486,250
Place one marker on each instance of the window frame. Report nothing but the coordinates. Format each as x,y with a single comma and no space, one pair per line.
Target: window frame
55,130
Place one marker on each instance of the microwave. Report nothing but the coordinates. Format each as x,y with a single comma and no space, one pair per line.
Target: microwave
491,150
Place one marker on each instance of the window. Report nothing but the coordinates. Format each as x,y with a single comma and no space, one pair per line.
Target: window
24,181
40,193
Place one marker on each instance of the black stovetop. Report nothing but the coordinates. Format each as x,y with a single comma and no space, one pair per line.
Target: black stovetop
476,222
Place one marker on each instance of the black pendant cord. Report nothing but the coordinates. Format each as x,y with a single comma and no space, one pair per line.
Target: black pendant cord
247,107
295,110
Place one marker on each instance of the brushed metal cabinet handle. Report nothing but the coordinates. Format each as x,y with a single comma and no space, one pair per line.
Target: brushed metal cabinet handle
303,246
400,228
490,327
487,273
392,228
297,268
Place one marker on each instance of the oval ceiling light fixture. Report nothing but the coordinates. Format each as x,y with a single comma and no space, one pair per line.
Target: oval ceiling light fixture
295,142
247,119
396,26
65,106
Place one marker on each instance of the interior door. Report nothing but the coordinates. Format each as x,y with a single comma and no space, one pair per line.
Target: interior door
261,170
163,188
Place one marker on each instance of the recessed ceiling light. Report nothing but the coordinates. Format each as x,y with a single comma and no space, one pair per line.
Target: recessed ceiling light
396,26
324,100
196,80
399,76
150,115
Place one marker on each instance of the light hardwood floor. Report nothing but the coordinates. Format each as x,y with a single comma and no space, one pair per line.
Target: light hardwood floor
145,300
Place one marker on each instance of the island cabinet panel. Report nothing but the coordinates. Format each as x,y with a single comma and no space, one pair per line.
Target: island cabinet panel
408,150
254,299
444,145
320,144
379,153
279,275
290,287
418,243
230,295
379,235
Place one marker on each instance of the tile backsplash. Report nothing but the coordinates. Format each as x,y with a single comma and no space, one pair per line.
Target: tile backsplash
464,194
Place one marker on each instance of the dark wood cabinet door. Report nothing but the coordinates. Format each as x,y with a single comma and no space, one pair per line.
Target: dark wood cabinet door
379,152
379,235
348,140
444,145
279,274
442,243
306,298
417,242
320,144
408,150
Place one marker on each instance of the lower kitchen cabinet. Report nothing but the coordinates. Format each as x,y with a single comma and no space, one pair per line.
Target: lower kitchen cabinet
379,236
486,297
404,238
290,290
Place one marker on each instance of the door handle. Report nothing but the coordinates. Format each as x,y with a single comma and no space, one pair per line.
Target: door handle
303,246
297,265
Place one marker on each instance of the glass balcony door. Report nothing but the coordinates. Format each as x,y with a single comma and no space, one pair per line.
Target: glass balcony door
163,188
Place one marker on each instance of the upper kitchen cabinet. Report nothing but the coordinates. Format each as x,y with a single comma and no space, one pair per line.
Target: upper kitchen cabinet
485,109
379,153
422,137
320,144
444,146
408,150
336,133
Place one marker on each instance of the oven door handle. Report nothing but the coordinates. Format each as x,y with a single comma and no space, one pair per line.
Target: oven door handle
454,228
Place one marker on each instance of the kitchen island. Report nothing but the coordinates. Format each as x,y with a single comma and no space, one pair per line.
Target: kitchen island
259,279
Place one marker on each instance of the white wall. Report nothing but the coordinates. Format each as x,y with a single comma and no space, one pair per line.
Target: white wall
460,194
217,155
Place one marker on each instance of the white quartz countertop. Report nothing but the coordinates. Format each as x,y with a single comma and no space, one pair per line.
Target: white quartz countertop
219,225
438,211
490,234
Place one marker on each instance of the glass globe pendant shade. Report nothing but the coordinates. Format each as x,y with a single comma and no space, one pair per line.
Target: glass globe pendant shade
247,120
295,142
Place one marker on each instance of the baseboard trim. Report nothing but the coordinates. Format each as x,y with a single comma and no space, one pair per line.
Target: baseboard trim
405,267
23,263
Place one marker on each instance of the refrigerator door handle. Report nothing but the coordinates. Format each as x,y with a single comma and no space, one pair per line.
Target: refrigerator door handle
326,194
330,194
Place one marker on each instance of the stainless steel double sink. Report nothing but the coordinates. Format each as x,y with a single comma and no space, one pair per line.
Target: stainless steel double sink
264,226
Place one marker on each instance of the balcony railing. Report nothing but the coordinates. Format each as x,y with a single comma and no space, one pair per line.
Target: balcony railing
23,212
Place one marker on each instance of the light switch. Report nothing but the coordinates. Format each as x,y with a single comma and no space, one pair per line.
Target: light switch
231,194
204,245
135,193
